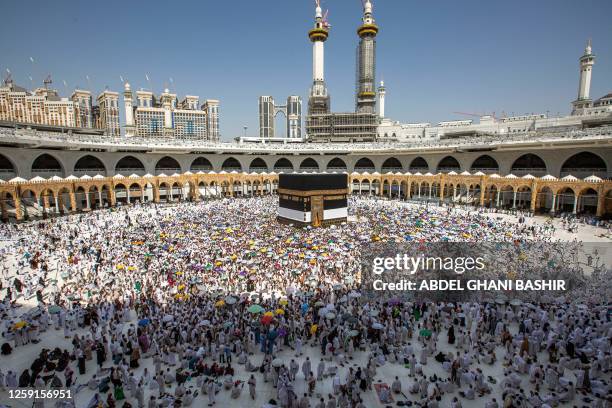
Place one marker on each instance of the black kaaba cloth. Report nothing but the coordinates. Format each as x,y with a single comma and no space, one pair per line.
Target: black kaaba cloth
312,199
305,182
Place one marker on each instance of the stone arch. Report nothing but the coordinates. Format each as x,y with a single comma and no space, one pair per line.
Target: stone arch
418,164
168,165
7,168
309,165
544,200
231,164
392,164
336,165
523,197
485,164
47,165
566,198
136,192
584,164
258,165
90,165
448,163
283,165
364,164
587,201
121,193
505,196
200,164
128,165
529,164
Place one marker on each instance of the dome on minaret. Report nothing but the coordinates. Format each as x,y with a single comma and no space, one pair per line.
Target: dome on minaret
127,86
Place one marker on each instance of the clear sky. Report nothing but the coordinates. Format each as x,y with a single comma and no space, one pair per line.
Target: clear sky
436,57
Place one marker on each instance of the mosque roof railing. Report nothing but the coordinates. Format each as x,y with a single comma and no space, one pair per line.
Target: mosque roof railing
42,139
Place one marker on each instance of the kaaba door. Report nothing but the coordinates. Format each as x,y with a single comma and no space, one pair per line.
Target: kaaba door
316,210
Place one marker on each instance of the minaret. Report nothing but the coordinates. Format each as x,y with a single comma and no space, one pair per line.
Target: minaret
318,102
366,62
381,99
130,129
584,87
586,66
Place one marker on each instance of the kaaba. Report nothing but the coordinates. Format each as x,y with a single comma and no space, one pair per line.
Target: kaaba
312,199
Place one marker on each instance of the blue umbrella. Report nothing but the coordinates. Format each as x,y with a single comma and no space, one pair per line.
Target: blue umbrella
144,322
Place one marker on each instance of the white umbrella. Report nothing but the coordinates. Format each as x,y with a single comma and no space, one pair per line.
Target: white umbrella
330,315
377,326
230,300
373,313
277,362
168,318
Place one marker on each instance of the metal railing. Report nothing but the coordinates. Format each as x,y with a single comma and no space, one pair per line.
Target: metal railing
488,140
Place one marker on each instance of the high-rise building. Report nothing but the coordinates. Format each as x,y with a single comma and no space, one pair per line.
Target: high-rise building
211,107
292,112
294,117
108,102
45,108
84,104
366,62
266,117
166,117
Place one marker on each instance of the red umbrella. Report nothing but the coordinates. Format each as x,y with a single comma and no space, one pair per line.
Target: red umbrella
267,320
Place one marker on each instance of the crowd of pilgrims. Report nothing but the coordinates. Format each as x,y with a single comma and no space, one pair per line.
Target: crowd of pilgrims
179,305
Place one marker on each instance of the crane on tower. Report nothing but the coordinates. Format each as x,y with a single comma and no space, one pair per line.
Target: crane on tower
325,21
47,81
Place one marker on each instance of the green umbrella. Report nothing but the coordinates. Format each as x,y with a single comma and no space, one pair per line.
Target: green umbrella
425,333
255,309
54,309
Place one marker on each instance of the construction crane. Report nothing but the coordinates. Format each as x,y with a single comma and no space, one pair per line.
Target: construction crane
47,81
325,21
8,78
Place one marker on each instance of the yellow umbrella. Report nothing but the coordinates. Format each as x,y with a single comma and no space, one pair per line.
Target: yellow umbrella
269,314
283,302
179,273
181,287
121,266
263,250
313,329
220,303
234,257
131,268
280,312
20,324
218,263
